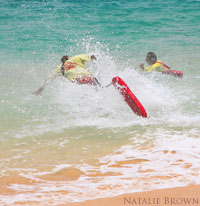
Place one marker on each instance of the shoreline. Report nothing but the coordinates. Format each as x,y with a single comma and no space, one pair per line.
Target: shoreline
188,196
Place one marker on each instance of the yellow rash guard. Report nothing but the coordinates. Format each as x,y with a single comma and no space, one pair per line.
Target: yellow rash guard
73,68
158,66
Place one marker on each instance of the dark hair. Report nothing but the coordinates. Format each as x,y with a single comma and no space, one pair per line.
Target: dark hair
64,59
152,56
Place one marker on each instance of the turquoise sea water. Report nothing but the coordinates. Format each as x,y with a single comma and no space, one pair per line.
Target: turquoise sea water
76,127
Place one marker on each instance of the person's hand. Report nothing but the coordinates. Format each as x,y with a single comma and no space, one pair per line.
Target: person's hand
93,57
141,65
38,92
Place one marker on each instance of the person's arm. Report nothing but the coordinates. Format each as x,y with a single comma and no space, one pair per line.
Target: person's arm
51,77
85,57
40,90
147,69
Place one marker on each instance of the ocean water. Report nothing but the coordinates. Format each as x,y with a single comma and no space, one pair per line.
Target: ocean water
74,143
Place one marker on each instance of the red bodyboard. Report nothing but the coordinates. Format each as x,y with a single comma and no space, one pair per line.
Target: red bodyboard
129,97
174,73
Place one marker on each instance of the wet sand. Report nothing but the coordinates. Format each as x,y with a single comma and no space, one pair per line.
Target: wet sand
188,196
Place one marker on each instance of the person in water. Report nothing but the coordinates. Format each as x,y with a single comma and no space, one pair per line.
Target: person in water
155,64
74,70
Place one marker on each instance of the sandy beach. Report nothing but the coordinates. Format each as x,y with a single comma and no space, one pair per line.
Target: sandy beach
189,196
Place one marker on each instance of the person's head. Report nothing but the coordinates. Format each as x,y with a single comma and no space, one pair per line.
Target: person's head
64,59
151,58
